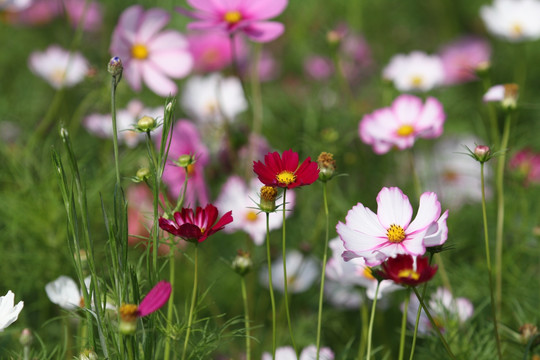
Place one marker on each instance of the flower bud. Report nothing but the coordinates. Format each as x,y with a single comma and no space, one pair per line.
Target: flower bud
88,355
185,161
268,199
26,337
482,153
146,124
128,319
242,263
327,166
527,331
115,66
142,174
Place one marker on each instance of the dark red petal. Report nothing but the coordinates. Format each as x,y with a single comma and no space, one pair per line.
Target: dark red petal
264,174
290,160
211,215
307,173
156,298
168,225
225,219
274,163
189,232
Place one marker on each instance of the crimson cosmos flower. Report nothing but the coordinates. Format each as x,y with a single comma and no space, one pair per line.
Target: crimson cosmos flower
195,227
401,270
284,171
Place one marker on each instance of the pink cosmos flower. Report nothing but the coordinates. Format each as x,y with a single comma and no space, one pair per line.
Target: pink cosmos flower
402,123
186,141
526,164
59,67
237,196
390,232
147,54
93,15
415,71
39,12
318,67
212,51
463,57
239,16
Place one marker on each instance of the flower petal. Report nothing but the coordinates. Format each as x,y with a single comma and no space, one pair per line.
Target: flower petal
393,208
264,31
429,211
156,298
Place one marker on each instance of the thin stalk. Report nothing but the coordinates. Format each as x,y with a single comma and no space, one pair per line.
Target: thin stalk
415,334
155,189
325,256
171,299
372,320
192,307
404,325
364,332
270,286
488,263
114,83
246,319
286,279
500,211
423,305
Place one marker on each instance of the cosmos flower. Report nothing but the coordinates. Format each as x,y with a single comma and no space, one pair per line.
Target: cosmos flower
150,55
512,20
318,67
415,71
58,67
91,10
196,226
212,51
447,311
8,311
406,270
237,196
402,123
248,17
283,171
390,232
65,292
302,271
505,94
309,353
463,57
526,165
14,5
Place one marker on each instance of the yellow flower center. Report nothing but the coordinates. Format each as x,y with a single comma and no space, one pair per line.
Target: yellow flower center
232,17
291,280
251,216
395,234
190,170
286,177
139,51
128,312
58,75
417,81
268,193
409,274
450,176
368,274
405,130
517,30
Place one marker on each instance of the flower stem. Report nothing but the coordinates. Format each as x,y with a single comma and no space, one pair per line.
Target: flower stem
488,262
325,256
404,324
423,306
372,320
286,279
415,334
364,332
114,83
270,286
171,299
246,319
155,188
192,307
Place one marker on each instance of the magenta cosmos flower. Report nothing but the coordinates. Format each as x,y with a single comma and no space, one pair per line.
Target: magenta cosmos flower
283,171
237,16
406,270
196,227
390,232
147,54
402,123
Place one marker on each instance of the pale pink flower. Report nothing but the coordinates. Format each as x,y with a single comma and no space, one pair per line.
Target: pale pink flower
415,71
185,140
39,12
318,67
402,123
248,17
505,94
513,20
238,197
302,272
59,67
150,55
93,14
463,57
212,51
390,232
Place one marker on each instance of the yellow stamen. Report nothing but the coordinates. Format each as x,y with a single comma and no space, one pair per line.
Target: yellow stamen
139,51
268,193
58,75
251,216
517,30
232,17
405,130
190,170
395,234
286,177
128,312
368,274
409,274
291,280
417,81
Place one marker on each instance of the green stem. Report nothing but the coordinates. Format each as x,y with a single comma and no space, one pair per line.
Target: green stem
270,286
404,325
286,280
129,347
435,327
372,320
171,299
364,333
246,319
415,334
155,189
325,256
192,307
488,262
114,83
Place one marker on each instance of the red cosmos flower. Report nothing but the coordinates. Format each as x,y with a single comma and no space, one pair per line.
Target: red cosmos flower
401,270
195,227
284,171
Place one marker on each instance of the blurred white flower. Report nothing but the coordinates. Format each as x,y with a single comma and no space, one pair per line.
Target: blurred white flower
58,67
415,71
302,271
65,293
309,353
14,5
513,20
8,311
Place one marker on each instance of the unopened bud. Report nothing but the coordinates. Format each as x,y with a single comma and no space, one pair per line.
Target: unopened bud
327,166
527,331
268,199
146,124
26,337
115,66
128,319
242,263
482,153
142,174
88,355
185,161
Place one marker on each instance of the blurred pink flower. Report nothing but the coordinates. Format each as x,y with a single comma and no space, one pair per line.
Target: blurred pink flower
415,71
14,5
93,14
58,67
147,54
38,13
318,67
185,140
463,57
244,16
513,20
390,232
402,123
526,164
212,51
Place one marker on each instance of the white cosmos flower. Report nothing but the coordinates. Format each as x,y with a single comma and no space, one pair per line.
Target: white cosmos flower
309,353
513,20
8,312
415,71
58,67
65,292
302,271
